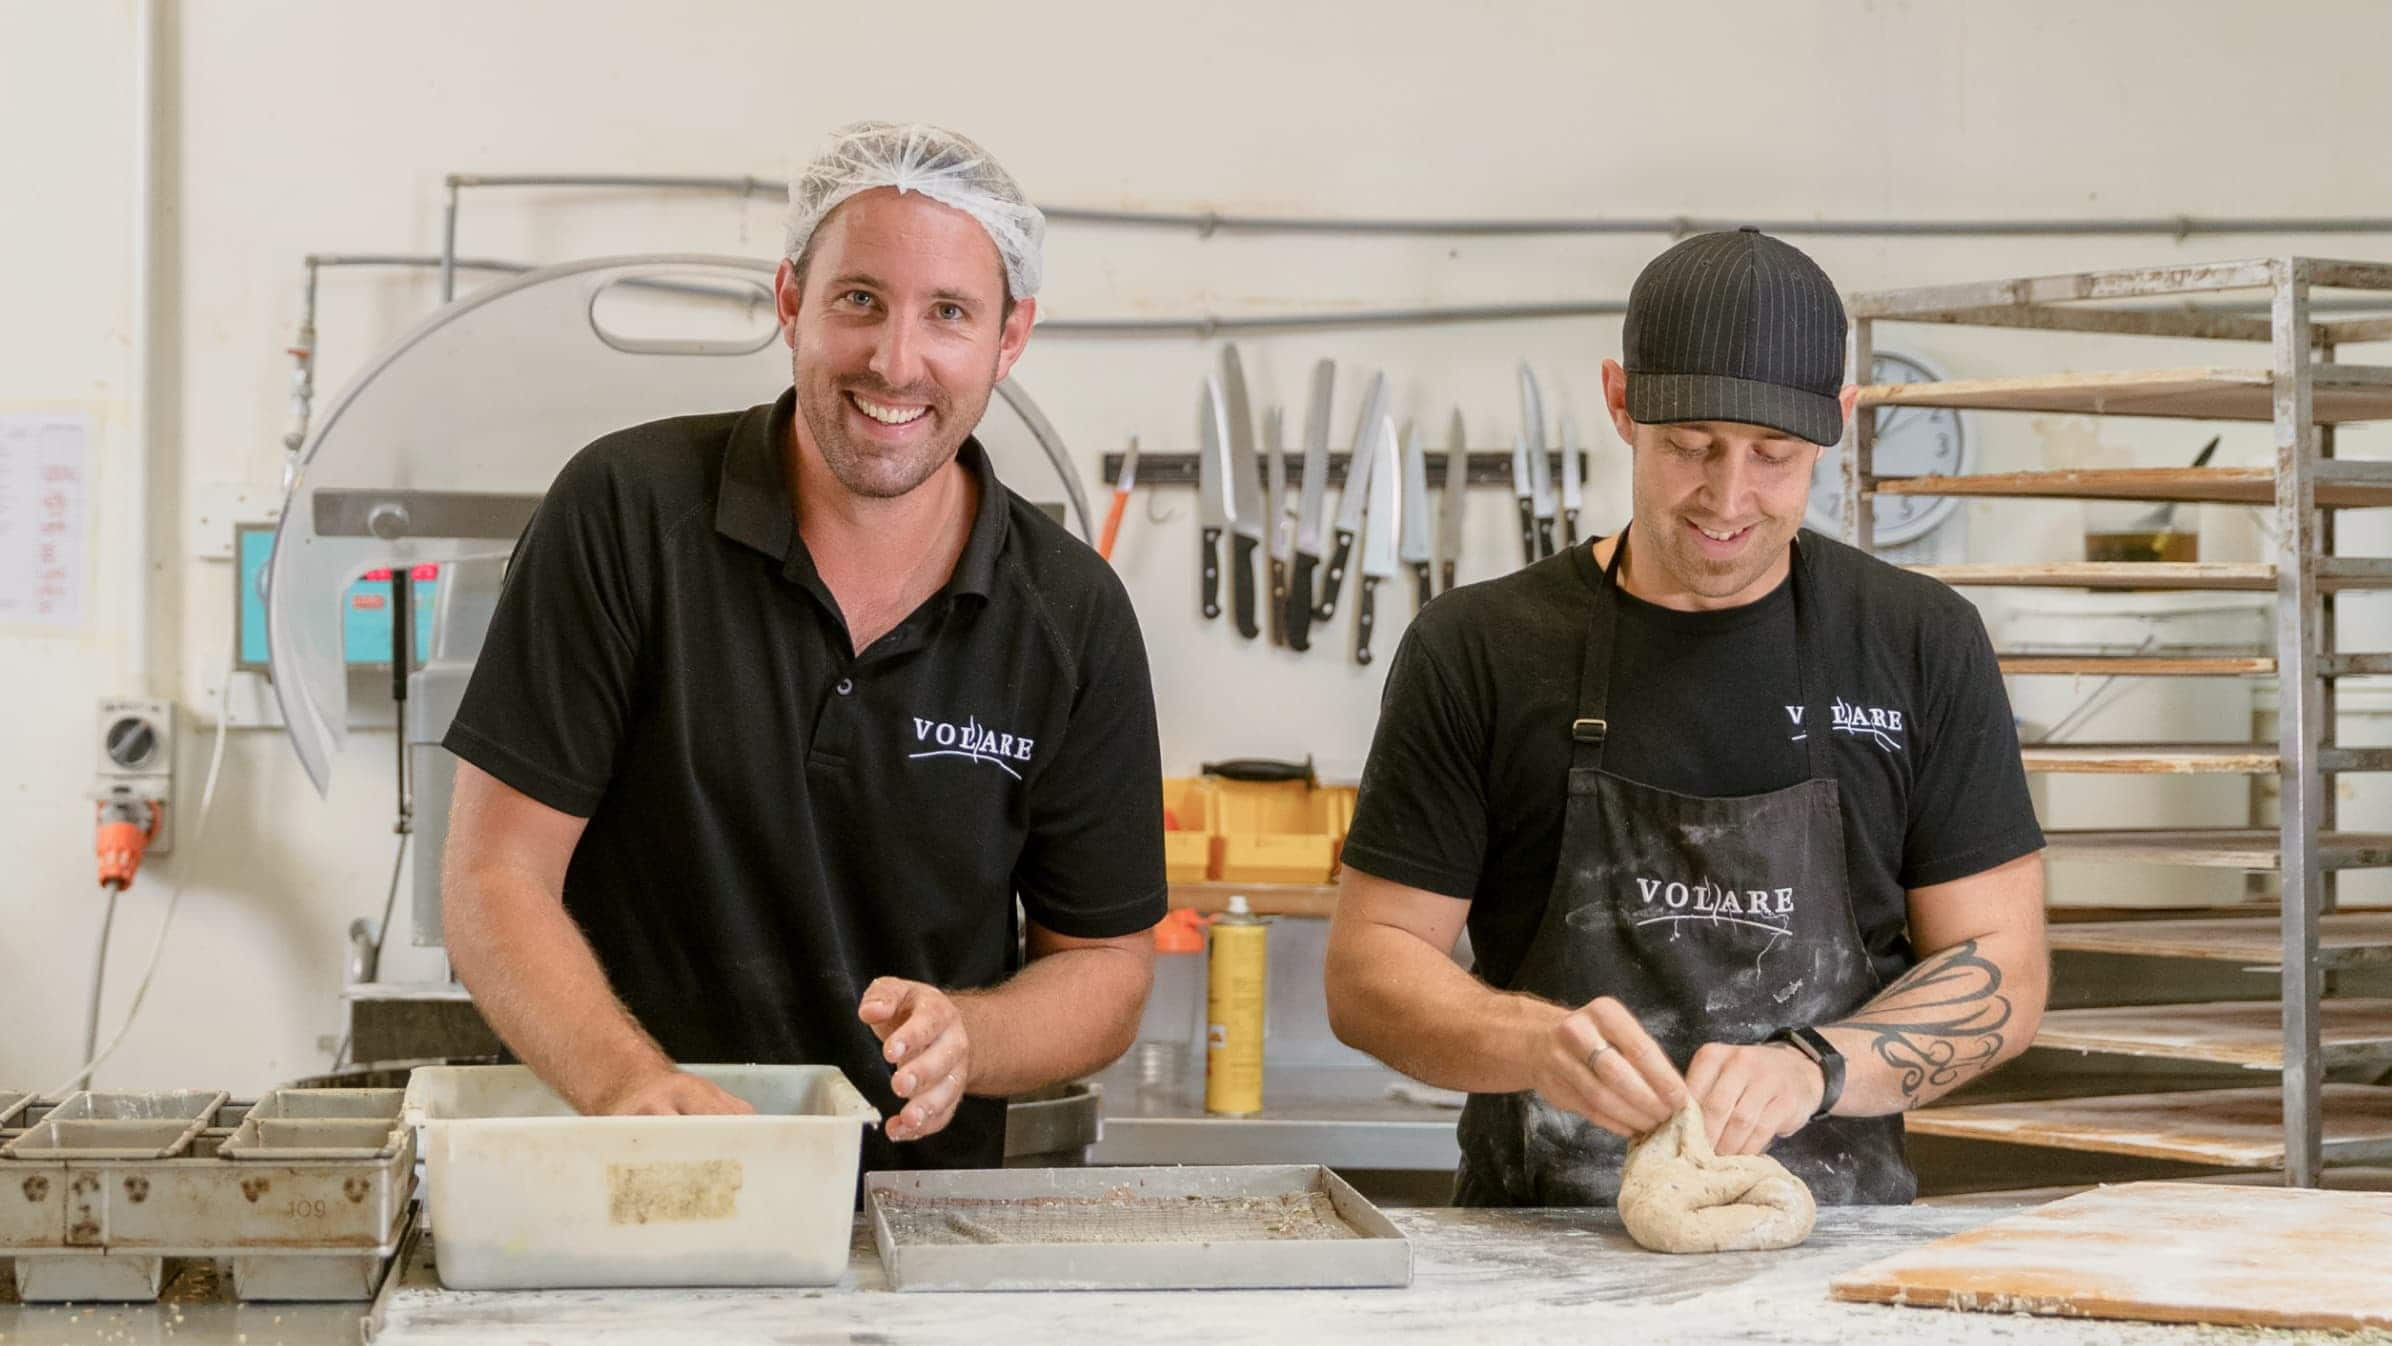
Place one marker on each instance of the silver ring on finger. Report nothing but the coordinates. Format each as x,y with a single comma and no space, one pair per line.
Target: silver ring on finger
1596,1054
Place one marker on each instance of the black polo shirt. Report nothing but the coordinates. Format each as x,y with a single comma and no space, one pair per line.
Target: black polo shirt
773,821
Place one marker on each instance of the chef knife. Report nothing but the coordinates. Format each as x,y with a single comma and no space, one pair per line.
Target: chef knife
1281,544
1380,527
1213,507
1571,487
1540,467
1412,547
1245,484
1449,510
1356,493
1525,496
1308,505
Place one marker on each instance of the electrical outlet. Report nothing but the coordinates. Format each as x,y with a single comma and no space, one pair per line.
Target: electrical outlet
135,743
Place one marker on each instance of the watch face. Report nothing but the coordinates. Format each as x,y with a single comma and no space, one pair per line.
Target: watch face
1910,442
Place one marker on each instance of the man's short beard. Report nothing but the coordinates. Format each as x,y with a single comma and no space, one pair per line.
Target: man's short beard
880,476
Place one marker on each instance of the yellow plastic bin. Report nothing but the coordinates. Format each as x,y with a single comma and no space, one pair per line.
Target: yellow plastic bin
1188,847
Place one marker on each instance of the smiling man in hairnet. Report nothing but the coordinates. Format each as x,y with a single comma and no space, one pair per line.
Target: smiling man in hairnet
783,708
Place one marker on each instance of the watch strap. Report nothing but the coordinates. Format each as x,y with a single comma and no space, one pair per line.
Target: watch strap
1814,1044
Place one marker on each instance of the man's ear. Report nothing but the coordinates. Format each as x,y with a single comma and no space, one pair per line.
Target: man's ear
1615,401
786,287
1016,336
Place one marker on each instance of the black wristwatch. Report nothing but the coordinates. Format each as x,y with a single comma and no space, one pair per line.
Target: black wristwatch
1814,1044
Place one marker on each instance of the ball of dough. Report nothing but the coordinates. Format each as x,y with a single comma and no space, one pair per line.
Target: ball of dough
1678,1196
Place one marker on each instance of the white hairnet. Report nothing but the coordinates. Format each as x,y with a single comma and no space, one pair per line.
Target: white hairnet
938,163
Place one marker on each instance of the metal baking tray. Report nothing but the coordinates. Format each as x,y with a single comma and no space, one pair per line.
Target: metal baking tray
1279,1226
105,1186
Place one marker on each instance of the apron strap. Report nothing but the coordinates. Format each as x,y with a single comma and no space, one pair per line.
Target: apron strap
1591,727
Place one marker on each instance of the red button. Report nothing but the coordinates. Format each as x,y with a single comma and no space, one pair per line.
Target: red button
382,575
424,572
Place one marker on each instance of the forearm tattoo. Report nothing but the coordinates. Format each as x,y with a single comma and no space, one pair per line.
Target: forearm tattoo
1940,1023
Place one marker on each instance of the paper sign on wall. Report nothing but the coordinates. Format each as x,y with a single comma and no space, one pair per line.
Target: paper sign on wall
45,467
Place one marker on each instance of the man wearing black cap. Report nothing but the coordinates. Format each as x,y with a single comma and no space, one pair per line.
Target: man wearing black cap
1733,813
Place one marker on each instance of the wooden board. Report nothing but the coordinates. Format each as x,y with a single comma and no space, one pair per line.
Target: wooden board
2152,759
2233,1033
2253,848
2231,1128
2137,666
2344,939
2160,1252
2343,393
2200,485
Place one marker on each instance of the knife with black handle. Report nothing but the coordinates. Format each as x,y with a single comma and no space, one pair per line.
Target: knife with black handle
1241,584
1366,615
1299,601
1246,522
1525,496
1305,508
1212,571
1213,508
1359,465
1381,525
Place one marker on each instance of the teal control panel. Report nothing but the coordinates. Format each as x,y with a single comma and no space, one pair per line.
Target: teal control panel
365,608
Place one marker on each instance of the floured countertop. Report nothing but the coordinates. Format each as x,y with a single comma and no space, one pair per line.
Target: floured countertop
1545,1276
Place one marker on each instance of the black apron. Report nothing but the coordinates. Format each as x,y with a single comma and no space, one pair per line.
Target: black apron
1712,920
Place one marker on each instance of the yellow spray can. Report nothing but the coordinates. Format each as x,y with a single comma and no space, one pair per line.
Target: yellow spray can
1238,963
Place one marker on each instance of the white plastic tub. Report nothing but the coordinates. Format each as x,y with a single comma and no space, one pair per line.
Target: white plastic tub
525,1194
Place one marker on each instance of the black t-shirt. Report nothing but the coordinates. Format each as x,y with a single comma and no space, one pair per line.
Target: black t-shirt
1468,773
774,822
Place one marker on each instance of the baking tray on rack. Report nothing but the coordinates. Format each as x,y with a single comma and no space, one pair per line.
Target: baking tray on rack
306,1192
1281,1226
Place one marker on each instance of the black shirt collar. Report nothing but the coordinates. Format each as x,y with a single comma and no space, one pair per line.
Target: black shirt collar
757,508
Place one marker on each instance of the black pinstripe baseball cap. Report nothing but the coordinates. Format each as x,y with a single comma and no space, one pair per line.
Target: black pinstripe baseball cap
1736,326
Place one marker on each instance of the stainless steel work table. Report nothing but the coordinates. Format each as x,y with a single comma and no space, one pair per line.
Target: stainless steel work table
1539,1275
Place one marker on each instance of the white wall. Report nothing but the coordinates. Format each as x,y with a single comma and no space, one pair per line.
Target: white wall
307,127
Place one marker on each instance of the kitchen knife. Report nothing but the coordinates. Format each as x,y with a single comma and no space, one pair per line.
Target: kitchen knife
1308,505
1540,467
1449,510
1380,526
1571,487
1282,540
1245,485
1214,511
1356,493
1525,496
1412,545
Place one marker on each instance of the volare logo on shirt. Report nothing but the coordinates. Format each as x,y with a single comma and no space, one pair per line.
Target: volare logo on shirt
972,741
1668,900
1846,718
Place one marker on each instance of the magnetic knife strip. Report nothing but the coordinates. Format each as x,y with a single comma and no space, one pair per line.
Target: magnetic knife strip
306,1192
1486,469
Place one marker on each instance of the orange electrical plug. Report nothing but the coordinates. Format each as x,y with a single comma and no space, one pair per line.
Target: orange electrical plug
127,826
